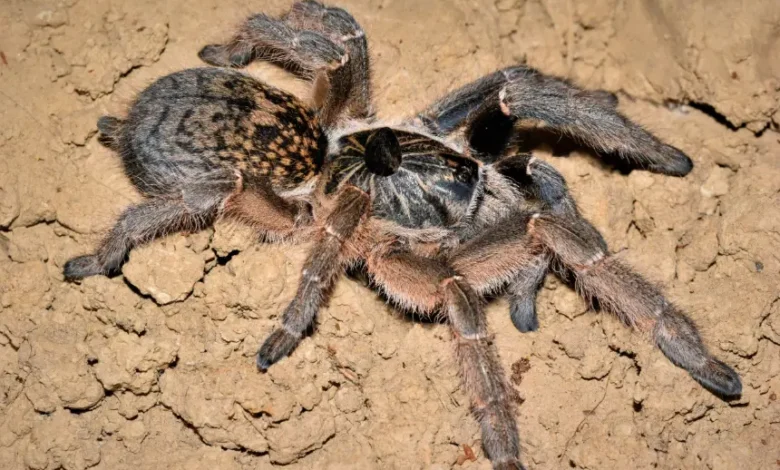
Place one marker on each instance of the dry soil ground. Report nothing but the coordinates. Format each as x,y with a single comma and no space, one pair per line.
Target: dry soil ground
153,369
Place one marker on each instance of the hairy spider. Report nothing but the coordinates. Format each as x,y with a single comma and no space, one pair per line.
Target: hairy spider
437,209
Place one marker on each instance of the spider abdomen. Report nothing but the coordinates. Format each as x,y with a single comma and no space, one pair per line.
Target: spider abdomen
209,123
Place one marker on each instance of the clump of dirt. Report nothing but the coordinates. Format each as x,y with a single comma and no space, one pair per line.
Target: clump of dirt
519,368
154,368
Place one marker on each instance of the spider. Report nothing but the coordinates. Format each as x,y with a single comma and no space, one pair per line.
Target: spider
438,209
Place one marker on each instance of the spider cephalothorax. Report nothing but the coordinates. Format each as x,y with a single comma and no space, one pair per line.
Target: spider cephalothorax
413,179
438,209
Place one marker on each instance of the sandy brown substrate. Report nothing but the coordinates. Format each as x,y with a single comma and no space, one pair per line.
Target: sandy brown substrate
154,369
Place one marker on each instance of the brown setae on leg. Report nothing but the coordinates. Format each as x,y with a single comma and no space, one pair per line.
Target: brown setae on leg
323,265
422,284
509,249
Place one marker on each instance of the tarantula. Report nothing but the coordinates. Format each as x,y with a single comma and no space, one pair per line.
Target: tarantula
437,209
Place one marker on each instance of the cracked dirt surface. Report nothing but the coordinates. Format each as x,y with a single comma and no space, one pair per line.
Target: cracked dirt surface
154,368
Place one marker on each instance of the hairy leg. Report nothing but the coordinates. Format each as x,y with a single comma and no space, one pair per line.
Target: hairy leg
523,291
265,38
524,94
322,266
109,127
337,63
482,374
306,52
340,27
539,182
600,278
459,108
153,218
541,185
423,284
617,288
257,205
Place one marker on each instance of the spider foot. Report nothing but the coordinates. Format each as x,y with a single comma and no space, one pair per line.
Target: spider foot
219,56
110,130
673,162
81,267
719,379
523,314
277,346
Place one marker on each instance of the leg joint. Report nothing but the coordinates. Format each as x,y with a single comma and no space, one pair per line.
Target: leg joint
449,280
592,262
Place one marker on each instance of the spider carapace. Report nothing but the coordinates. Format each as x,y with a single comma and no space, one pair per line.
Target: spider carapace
413,179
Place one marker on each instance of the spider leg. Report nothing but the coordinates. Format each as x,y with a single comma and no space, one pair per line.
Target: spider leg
617,288
524,94
339,84
424,284
158,216
342,28
109,127
265,38
325,261
459,108
539,182
474,105
258,206
193,208
599,278
523,291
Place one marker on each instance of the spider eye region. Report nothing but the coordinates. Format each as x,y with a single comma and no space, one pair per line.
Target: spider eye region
383,152
414,180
